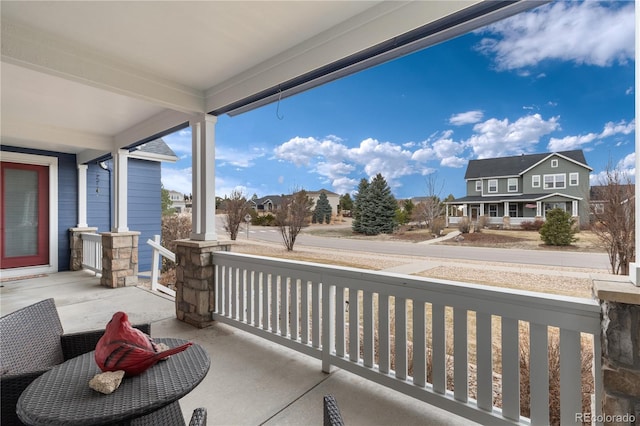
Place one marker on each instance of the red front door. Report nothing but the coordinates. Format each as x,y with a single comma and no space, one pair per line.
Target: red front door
25,215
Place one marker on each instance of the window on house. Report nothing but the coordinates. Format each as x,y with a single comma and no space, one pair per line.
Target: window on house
555,181
554,163
573,179
493,210
493,185
512,185
513,210
598,208
478,186
535,181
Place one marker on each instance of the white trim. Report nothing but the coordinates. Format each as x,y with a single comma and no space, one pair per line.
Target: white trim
559,155
509,185
577,175
479,187
555,183
489,191
150,156
82,196
533,181
554,163
52,163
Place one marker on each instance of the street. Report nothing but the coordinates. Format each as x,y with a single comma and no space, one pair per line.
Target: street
517,256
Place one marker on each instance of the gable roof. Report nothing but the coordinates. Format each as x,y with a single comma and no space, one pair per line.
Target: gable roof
517,164
155,150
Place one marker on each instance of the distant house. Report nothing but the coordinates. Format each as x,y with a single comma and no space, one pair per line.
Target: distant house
600,195
178,201
510,190
332,197
267,204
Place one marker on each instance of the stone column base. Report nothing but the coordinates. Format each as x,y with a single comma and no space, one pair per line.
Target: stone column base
620,303
195,280
119,259
75,244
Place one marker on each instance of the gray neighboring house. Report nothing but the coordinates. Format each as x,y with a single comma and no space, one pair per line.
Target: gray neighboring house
510,190
267,204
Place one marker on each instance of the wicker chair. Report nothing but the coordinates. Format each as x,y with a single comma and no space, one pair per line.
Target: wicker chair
32,341
332,416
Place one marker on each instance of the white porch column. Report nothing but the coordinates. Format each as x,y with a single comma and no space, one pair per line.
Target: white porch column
464,210
203,178
539,208
506,208
82,196
119,181
574,208
481,210
634,267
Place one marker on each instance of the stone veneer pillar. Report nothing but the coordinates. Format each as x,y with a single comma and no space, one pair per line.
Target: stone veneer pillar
620,303
195,280
75,244
119,259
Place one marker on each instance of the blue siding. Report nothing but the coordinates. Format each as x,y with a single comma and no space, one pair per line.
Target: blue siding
144,206
67,197
144,213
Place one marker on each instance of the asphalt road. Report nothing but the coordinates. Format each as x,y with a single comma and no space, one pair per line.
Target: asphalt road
518,256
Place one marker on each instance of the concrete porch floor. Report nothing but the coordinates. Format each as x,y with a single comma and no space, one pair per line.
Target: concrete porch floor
251,381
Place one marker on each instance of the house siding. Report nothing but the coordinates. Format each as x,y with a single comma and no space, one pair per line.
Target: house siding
67,197
143,197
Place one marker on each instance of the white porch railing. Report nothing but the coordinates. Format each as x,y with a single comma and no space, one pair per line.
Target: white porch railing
158,250
369,322
92,251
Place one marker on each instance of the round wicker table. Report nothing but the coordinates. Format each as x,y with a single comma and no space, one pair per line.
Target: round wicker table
62,395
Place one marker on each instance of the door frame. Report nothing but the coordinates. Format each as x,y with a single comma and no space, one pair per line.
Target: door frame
52,164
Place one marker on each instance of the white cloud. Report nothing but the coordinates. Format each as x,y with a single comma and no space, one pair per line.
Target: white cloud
570,142
241,159
626,167
579,141
585,32
177,179
469,117
497,138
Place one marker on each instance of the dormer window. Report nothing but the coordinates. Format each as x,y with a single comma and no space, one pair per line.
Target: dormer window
554,163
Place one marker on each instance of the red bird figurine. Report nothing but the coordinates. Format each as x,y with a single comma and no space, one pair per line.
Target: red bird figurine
123,347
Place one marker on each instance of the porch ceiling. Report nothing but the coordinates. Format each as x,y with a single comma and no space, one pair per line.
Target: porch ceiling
99,76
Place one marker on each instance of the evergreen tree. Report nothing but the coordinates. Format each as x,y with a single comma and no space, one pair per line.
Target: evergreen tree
345,203
558,228
374,207
359,204
165,201
322,212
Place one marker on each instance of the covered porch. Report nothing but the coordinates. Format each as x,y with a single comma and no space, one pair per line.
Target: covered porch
251,381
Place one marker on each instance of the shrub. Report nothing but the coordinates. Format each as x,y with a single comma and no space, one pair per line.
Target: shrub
437,226
483,222
535,225
558,229
174,227
464,226
266,220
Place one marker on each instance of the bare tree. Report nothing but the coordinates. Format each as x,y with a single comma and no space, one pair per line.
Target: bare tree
432,208
613,213
237,208
293,215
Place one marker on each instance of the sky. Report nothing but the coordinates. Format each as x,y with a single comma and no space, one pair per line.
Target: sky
560,77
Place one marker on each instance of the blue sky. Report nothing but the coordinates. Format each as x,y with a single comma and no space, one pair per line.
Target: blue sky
558,78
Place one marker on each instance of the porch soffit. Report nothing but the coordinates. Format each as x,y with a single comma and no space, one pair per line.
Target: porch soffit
105,75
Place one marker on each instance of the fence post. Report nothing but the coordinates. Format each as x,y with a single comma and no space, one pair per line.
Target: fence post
155,264
328,323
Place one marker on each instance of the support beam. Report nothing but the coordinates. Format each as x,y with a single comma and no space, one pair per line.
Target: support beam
120,188
203,212
82,196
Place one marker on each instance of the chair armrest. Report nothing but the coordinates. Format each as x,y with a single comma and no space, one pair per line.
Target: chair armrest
76,344
11,387
199,417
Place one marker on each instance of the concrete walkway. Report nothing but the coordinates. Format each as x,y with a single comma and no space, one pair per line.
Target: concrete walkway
251,382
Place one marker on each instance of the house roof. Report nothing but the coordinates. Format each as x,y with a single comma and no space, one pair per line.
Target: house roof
517,164
326,191
155,150
274,199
